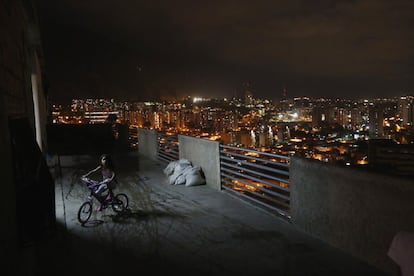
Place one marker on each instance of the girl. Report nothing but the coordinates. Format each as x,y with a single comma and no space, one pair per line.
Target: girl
108,174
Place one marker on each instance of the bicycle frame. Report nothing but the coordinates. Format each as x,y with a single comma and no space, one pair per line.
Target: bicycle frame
93,185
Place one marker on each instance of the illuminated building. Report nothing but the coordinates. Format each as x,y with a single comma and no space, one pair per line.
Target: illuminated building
96,117
356,117
406,109
376,122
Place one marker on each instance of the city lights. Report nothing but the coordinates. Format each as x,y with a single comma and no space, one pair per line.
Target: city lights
335,131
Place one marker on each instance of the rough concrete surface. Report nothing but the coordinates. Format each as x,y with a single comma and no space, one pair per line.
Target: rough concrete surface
176,230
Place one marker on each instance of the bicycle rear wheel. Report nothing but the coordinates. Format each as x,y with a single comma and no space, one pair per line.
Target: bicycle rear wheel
85,212
120,203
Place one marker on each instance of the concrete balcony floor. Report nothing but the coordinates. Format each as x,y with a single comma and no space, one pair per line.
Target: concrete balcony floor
177,230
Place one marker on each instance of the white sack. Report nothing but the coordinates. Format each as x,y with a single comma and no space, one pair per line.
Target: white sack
169,170
179,168
193,177
180,180
182,172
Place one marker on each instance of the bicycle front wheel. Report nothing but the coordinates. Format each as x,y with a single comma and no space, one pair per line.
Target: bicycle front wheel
85,212
120,203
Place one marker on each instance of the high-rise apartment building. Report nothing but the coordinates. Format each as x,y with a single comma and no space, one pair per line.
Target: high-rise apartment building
406,110
342,117
356,117
318,116
376,121
331,114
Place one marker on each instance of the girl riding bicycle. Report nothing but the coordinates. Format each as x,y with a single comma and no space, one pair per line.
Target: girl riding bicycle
119,202
108,175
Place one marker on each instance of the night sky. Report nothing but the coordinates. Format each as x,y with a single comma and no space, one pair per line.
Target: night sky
149,50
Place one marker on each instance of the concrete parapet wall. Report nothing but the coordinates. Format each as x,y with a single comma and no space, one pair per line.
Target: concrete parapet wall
203,153
354,210
148,143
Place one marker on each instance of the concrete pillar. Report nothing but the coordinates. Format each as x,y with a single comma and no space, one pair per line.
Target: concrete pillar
148,143
36,104
204,153
39,104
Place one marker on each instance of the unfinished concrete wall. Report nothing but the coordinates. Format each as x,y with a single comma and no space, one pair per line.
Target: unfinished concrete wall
17,49
9,239
15,69
353,210
14,96
203,153
148,143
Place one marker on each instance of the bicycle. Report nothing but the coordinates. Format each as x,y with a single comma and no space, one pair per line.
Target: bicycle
118,202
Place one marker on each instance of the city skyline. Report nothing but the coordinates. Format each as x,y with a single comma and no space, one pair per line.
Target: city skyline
141,50
330,131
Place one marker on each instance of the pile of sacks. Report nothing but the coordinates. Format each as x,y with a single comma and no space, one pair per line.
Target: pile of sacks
182,172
